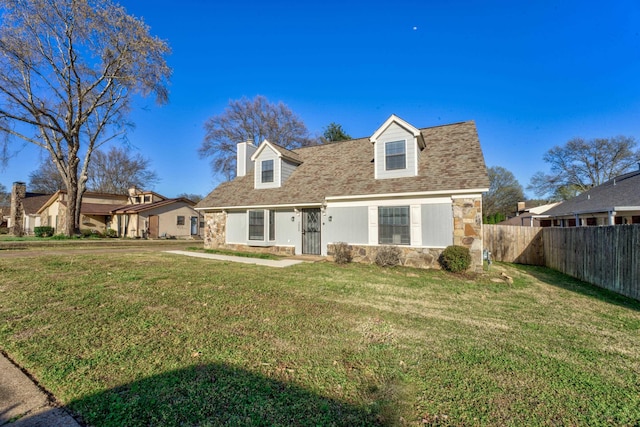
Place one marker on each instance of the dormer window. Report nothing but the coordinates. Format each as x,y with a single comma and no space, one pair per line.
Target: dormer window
395,155
267,171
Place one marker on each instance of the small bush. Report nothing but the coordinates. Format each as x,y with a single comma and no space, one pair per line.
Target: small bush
388,256
43,231
342,253
4,230
111,233
88,233
455,259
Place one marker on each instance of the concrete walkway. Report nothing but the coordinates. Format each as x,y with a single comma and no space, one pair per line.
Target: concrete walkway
23,404
280,263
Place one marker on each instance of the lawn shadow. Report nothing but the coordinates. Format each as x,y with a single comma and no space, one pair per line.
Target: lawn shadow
218,394
564,281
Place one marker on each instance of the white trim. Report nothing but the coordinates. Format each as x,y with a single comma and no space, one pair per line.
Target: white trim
415,225
455,194
394,119
254,207
261,147
391,202
373,226
468,196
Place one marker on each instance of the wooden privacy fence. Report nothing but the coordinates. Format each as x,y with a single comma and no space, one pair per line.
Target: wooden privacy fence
512,243
608,257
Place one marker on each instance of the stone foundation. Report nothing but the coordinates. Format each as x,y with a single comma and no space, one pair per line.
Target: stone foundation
410,257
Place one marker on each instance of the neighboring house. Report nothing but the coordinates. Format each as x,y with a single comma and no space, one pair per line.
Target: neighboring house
615,202
137,214
4,216
418,189
530,216
23,213
150,215
95,211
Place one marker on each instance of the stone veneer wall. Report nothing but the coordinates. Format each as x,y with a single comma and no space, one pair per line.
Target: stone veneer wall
410,257
215,229
215,236
467,228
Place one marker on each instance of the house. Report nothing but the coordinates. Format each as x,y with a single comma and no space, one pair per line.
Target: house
23,213
417,189
615,202
136,214
150,215
532,216
95,210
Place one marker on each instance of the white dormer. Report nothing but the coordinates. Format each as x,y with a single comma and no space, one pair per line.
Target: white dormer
273,165
397,146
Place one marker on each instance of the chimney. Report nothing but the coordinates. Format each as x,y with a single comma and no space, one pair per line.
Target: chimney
243,160
16,218
520,208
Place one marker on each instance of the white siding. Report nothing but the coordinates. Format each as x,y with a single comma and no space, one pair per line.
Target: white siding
437,225
237,231
396,133
348,224
288,232
267,154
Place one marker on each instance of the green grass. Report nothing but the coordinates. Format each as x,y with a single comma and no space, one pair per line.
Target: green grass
159,339
235,253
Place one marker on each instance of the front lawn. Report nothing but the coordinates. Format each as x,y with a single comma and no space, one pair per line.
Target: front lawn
159,339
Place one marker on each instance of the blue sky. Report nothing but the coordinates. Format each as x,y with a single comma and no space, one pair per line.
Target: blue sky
532,74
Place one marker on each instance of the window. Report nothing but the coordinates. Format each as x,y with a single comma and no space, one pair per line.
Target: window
272,225
180,220
393,225
395,155
147,199
256,225
267,171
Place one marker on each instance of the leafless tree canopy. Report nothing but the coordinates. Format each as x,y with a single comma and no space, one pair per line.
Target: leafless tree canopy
68,71
250,119
504,192
46,179
115,171
5,196
581,164
191,196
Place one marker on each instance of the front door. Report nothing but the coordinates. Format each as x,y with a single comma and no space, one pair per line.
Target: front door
311,231
154,226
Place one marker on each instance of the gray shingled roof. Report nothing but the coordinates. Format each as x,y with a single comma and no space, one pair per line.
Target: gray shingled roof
621,191
452,160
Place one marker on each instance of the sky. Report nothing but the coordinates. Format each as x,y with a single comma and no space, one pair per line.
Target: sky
531,74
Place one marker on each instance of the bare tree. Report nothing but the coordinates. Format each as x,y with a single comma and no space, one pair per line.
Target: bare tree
46,179
581,164
68,72
250,119
504,193
5,197
191,196
116,171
